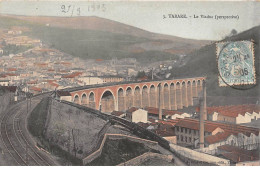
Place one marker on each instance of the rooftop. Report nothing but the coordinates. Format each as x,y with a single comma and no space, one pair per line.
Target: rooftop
217,137
131,110
35,89
229,148
117,113
72,75
211,126
155,111
234,110
236,157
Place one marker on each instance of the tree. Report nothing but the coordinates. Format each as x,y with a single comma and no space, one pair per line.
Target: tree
140,74
233,32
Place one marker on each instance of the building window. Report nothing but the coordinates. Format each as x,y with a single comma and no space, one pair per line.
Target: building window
181,138
177,137
190,131
181,129
185,130
189,139
177,128
186,139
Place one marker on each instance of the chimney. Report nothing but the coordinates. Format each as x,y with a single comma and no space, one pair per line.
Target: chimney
204,100
159,102
203,109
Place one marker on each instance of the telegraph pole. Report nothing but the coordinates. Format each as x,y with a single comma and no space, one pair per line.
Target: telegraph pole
30,102
159,102
203,114
27,102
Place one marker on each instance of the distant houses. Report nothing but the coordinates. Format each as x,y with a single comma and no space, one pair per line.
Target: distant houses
90,80
4,82
169,114
234,114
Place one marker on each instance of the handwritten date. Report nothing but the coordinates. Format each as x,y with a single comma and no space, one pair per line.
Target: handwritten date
76,10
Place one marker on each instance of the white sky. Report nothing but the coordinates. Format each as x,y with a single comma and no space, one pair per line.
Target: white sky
149,15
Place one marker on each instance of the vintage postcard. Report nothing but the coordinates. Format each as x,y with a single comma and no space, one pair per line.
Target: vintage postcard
129,83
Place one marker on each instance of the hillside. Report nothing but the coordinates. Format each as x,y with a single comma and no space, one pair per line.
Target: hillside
203,62
102,24
154,41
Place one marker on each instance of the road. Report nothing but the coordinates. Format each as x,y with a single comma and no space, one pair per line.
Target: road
17,146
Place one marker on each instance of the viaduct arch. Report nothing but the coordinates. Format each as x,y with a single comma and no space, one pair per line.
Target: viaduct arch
175,94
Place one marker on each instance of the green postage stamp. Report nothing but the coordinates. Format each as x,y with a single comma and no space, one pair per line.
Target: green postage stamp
235,63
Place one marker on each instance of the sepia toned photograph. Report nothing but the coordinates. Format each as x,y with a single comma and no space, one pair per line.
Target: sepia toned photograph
129,83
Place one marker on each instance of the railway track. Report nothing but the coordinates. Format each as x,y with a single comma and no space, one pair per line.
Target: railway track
16,143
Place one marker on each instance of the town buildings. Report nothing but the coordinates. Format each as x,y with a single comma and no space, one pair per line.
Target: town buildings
137,115
234,114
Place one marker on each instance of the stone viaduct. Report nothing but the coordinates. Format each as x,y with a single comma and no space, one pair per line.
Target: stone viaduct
174,94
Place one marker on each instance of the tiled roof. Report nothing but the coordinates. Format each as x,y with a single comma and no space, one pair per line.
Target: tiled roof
236,157
32,82
173,121
131,110
72,75
155,111
117,113
53,84
194,124
166,122
232,128
11,74
11,69
234,110
217,137
35,88
229,148
3,75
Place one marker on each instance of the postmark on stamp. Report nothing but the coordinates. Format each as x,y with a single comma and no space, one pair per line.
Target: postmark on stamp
235,63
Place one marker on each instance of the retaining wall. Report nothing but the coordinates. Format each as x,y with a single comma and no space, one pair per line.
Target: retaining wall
194,156
94,155
144,157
